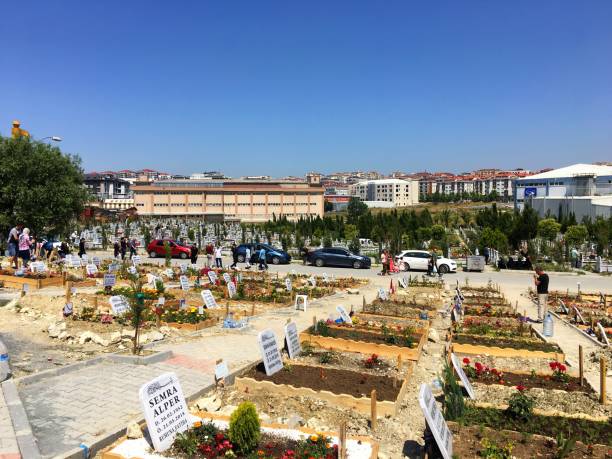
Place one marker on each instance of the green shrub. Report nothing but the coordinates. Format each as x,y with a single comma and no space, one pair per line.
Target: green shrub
520,405
245,428
454,405
493,451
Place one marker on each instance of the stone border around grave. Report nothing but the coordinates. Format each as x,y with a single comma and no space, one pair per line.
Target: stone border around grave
139,359
204,415
18,282
192,327
472,349
362,404
363,347
19,418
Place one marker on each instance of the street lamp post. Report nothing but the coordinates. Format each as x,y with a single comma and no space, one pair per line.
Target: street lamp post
53,138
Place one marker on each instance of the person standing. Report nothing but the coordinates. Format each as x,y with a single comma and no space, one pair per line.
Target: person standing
132,245
263,264
247,257
116,249
24,246
194,254
82,247
13,243
234,256
304,253
123,248
209,255
574,257
541,281
384,262
218,257
434,262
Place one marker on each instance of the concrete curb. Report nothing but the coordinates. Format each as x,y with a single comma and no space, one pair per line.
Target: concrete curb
23,432
36,377
140,360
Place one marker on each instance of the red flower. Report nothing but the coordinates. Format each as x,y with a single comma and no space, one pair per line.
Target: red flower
494,371
478,366
520,388
562,368
554,365
466,361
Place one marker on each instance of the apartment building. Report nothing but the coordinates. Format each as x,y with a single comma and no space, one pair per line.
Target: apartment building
250,200
387,192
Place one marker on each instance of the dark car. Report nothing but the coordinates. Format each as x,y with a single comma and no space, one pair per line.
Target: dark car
273,255
337,256
156,249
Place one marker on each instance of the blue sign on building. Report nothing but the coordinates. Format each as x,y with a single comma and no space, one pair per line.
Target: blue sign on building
531,191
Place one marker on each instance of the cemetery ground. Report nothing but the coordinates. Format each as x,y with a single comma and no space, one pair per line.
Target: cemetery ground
70,407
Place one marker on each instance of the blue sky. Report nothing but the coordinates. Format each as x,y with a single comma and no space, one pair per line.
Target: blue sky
278,87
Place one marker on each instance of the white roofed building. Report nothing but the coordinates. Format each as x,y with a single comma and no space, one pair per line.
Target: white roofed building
387,192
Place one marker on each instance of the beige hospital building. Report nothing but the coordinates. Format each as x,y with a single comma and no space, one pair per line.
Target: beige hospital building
229,200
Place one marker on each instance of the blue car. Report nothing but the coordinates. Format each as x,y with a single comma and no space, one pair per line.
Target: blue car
273,255
337,256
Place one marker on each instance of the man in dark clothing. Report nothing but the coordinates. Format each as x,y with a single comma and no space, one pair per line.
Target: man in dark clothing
541,281
123,248
81,248
304,253
194,254
234,256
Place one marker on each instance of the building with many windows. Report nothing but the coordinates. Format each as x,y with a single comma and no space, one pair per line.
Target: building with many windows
387,192
234,200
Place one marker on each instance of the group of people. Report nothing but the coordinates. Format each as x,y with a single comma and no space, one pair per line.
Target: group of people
261,257
386,260
20,245
120,247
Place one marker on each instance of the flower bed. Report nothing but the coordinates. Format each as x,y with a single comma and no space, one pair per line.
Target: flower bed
487,310
340,387
494,326
527,344
375,320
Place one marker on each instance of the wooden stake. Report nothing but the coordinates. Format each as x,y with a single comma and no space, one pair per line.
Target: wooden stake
253,309
68,291
342,441
602,380
399,362
226,308
364,304
314,322
373,410
581,364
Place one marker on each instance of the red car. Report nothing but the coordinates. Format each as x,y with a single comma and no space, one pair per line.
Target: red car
156,249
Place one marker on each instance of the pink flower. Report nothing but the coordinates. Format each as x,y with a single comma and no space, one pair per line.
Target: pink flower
520,388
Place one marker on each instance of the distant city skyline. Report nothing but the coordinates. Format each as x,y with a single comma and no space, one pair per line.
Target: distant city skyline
281,88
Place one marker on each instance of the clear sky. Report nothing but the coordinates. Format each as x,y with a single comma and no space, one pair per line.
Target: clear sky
284,87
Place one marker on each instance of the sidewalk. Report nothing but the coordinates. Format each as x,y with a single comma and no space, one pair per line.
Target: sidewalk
86,405
8,439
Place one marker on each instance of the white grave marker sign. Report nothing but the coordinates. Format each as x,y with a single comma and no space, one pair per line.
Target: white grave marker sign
183,268
221,370
91,269
136,260
132,270
231,289
165,410
288,284
109,280
227,278
463,376
312,281
270,354
209,299
184,283
96,261
301,302
119,304
213,277
293,340
382,294
402,282
601,330
113,268
346,318
435,421
169,273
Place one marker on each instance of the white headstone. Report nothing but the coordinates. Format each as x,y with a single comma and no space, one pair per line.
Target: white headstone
183,268
209,299
464,379
113,268
346,318
84,260
119,304
288,284
231,289
603,333
169,273
184,283
132,270
221,370
301,302
212,275
312,281
402,282
165,410
136,260
270,354
26,288
325,278
161,300
109,280
91,269
227,278
435,421
96,261
382,294
293,340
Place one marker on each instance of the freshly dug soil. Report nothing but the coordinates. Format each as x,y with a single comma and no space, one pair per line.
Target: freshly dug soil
495,311
589,432
539,381
367,336
468,442
527,344
334,380
402,311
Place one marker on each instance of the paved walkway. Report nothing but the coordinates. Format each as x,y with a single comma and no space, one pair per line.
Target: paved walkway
8,441
85,405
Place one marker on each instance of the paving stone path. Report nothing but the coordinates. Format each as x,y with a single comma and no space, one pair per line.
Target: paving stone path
86,405
8,441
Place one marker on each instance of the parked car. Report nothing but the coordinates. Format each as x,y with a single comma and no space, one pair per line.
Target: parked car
156,249
418,259
337,256
273,255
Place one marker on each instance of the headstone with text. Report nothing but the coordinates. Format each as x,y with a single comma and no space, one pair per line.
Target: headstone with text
136,260
464,379
110,280
382,294
231,289
293,340
270,354
119,304
436,422
212,276
288,284
346,318
312,281
209,299
165,410
96,261
184,283
91,269
227,278
301,302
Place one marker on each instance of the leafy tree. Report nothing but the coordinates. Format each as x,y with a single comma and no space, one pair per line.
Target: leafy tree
438,232
494,239
327,242
355,209
350,232
576,235
39,186
548,229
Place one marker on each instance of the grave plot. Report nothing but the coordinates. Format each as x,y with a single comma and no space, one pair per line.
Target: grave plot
406,341
488,310
399,308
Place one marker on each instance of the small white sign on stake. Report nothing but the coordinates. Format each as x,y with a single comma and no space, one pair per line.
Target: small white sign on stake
601,330
231,289
165,410
463,376
132,270
579,315
119,304
109,280
436,422
91,269
136,260
221,370
209,299
293,340
382,294
312,281
273,362
346,318
402,282
184,283
288,284
169,273
213,277
26,288
301,302
183,268
96,261
227,278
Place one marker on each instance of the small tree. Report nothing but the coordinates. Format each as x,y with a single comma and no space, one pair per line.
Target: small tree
327,242
548,229
137,307
576,235
245,428
168,252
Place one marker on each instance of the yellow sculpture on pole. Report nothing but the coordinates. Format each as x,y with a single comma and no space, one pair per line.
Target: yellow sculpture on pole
17,132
